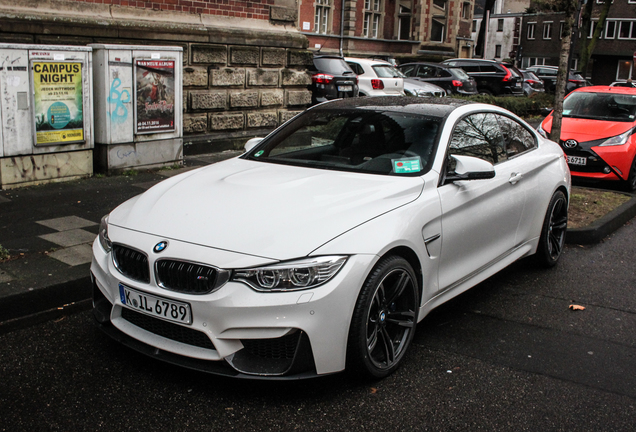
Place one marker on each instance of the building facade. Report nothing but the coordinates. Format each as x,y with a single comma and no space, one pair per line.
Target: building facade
401,29
612,59
245,62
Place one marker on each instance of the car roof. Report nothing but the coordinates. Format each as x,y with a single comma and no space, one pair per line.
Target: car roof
367,60
471,60
606,89
432,107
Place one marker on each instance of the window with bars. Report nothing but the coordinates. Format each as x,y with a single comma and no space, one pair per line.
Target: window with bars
372,15
321,18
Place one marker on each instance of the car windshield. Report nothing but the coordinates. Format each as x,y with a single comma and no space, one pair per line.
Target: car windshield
600,106
335,66
530,76
360,140
386,71
459,73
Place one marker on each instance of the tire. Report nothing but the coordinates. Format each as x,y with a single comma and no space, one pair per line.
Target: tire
630,183
384,319
485,92
553,231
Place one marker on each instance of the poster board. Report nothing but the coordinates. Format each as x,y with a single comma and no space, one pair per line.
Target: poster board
154,96
58,101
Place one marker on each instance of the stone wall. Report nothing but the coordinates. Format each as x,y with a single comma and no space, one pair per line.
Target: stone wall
242,77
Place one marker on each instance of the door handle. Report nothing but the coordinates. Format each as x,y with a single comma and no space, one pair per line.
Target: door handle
515,177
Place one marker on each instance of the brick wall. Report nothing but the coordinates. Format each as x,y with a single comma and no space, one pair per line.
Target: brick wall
255,9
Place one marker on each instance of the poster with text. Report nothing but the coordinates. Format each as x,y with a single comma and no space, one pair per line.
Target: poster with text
154,89
58,102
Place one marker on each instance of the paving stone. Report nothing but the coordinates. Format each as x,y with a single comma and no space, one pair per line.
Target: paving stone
5,277
76,255
66,223
70,237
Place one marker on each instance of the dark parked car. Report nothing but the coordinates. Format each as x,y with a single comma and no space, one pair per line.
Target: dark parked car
549,76
452,79
531,83
332,78
491,77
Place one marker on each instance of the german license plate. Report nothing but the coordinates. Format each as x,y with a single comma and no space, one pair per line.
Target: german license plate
159,307
577,160
345,88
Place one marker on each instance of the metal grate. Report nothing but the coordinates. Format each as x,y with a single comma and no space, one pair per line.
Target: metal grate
168,330
185,277
279,348
131,263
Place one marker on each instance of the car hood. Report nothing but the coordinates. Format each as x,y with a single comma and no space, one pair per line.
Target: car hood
584,130
269,210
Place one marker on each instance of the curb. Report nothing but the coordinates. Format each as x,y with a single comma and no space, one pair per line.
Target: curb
604,226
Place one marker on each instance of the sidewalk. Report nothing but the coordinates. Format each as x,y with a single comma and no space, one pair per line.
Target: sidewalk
49,230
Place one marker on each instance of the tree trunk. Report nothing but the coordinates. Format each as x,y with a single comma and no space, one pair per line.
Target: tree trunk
481,37
562,77
587,48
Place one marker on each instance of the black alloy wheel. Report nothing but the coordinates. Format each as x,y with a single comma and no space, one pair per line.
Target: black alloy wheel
555,224
384,319
630,184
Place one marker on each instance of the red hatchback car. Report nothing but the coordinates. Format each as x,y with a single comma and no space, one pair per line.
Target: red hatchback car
598,134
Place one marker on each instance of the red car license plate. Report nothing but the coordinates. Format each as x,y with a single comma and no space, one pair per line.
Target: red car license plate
577,160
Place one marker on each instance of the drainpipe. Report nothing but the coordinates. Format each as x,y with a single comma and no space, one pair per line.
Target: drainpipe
342,26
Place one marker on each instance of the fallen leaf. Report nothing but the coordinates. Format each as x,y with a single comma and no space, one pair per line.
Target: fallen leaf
374,390
576,307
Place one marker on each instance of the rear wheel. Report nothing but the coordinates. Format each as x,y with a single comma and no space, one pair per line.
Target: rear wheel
384,319
555,225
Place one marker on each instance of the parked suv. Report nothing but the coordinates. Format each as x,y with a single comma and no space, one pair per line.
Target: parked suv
377,77
491,77
452,79
549,76
331,79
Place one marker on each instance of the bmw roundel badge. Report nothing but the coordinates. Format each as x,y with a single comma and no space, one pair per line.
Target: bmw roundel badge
160,247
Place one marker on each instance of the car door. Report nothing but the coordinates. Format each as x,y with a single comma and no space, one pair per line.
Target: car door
480,217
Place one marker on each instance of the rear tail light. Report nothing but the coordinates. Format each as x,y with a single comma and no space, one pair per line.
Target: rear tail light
322,78
377,84
508,74
532,82
457,83
576,81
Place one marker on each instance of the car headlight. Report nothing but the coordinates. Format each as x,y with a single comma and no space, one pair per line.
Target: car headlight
103,235
617,140
542,132
292,275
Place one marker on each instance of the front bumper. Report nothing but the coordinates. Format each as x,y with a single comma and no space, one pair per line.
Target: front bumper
235,331
601,163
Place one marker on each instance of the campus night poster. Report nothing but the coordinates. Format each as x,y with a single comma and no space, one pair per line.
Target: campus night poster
155,93
58,102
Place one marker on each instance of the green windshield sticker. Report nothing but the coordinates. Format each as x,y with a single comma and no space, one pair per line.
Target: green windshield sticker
401,166
258,153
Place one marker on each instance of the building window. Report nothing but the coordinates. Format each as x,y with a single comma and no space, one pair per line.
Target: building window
474,26
561,28
497,51
438,31
440,3
626,30
466,11
593,25
371,18
404,22
500,23
321,18
624,70
610,29
547,30
531,27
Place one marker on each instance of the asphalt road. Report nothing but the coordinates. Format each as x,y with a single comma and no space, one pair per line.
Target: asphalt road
509,355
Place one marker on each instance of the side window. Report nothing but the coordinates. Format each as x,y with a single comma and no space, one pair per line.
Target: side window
470,67
425,72
478,135
357,69
409,71
443,74
517,139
